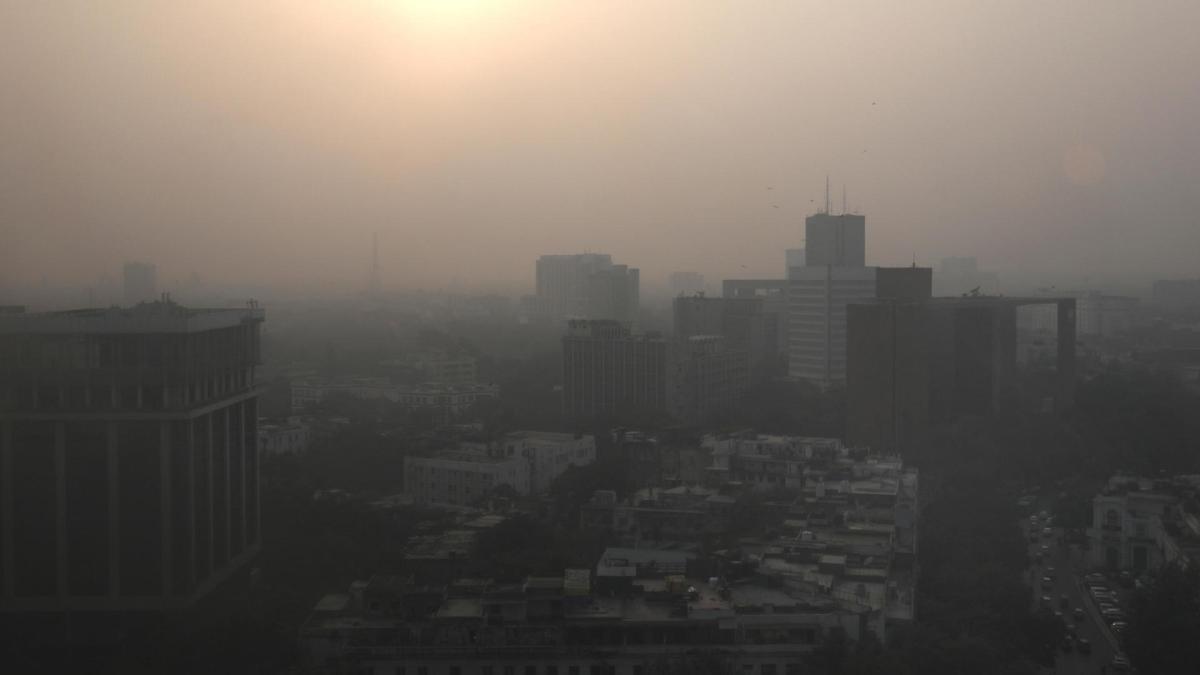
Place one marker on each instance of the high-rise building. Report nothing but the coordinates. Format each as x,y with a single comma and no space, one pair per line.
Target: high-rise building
130,476
793,258
817,299
586,285
744,323
706,378
610,372
913,363
140,283
838,241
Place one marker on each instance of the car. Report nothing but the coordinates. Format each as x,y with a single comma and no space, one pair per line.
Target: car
1119,627
1045,548
1125,579
1096,577
1050,572
1067,644
1083,645
1120,663
1047,581
1059,615
1047,532
1046,600
1077,613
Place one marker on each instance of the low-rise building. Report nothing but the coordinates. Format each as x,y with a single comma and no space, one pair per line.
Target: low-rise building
286,437
448,399
526,461
1140,524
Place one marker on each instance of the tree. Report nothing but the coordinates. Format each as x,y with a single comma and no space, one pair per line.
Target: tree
1164,623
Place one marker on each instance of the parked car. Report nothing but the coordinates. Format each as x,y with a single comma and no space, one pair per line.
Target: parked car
1083,645
1125,579
1047,581
1077,613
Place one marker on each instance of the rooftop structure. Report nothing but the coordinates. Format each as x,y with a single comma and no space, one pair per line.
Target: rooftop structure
134,433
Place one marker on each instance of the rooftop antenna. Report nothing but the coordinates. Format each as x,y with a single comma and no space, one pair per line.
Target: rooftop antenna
826,194
844,211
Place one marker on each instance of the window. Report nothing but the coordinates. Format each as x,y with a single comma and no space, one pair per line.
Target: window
1111,519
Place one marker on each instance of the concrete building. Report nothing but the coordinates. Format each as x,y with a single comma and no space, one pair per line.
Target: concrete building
793,258
1140,524
743,322
912,364
566,625
128,437
549,454
706,378
286,437
585,285
448,400
817,299
463,477
610,372
1177,293
526,461
773,294
835,240
140,283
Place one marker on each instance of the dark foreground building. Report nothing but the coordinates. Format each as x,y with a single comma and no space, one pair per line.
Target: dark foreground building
912,364
129,477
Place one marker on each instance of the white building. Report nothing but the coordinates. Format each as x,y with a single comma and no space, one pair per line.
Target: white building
451,399
550,454
461,477
526,461
817,299
1127,525
291,437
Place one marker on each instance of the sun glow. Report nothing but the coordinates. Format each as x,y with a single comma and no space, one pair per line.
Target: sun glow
445,18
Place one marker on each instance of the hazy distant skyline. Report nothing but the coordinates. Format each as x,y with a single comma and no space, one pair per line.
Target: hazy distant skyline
263,142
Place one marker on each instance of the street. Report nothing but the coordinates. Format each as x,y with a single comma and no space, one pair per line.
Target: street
1069,568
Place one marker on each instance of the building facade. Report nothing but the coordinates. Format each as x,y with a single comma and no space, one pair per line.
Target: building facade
817,300
835,240
128,437
587,285
610,372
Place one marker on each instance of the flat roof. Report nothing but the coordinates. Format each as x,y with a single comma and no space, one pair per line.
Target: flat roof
148,317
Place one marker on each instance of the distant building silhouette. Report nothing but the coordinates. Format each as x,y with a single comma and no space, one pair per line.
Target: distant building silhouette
586,285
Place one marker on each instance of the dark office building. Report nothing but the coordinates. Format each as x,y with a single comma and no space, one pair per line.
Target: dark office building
610,372
128,466
744,324
912,364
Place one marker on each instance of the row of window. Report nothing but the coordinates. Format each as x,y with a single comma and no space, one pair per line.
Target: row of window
594,669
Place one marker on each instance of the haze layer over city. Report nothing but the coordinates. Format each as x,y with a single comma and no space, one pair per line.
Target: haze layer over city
1057,142
533,337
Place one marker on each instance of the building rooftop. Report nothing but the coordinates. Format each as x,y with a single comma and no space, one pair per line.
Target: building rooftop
147,317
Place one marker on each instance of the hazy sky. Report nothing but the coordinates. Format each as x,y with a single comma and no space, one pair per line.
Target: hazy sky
264,140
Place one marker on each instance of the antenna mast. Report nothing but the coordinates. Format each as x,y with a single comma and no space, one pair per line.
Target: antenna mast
844,211
826,194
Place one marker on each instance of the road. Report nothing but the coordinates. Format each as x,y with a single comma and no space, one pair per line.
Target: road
1069,565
